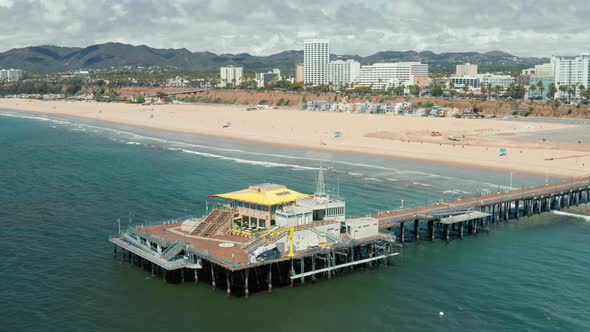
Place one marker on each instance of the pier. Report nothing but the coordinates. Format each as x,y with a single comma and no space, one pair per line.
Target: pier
233,250
471,213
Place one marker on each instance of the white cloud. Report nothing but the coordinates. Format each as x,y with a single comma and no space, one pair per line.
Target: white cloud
521,27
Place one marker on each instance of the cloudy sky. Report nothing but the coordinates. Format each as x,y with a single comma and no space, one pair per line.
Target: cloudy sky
262,27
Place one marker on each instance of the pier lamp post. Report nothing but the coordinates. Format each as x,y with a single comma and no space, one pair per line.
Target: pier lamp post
119,222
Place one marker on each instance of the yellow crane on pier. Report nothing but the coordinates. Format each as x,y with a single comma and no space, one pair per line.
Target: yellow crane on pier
291,231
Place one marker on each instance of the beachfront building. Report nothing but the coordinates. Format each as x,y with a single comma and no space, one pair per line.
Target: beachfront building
540,89
545,69
299,72
466,69
494,80
11,75
316,55
268,78
343,72
231,76
571,71
381,76
459,82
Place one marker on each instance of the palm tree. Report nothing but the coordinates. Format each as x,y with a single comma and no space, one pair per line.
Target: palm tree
582,89
563,89
532,90
498,89
541,88
572,90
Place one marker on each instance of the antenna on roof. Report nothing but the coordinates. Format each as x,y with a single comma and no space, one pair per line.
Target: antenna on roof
320,188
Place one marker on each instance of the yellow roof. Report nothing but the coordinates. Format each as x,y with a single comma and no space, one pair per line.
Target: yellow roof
265,194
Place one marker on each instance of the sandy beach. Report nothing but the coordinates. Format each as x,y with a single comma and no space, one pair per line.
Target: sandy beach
387,135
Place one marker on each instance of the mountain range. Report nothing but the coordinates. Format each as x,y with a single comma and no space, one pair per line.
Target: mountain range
48,59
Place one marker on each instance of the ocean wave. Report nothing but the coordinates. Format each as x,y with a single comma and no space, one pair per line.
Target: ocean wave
247,161
12,115
373,179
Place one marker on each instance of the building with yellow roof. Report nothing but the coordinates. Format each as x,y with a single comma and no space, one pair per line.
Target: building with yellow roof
258,204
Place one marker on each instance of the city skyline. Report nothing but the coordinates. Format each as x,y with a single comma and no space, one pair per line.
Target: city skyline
538,29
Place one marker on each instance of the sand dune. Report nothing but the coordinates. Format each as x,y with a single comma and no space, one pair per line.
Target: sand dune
395,136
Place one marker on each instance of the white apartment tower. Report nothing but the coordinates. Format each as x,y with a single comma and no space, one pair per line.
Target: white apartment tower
571,71
343,72
11,75
231,75
316,55
467,69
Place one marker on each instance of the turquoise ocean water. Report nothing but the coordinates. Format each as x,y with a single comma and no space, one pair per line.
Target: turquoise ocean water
64,183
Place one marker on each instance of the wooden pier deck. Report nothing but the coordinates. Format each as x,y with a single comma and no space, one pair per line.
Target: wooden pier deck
557,191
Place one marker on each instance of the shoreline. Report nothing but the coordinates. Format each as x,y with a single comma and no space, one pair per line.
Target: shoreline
163,117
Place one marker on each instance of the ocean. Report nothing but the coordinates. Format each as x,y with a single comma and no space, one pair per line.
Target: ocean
65,182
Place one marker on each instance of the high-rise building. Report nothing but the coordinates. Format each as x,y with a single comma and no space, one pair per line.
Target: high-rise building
381,76
11,75
343,72
571,71
231,76
467,69
316,55
299,72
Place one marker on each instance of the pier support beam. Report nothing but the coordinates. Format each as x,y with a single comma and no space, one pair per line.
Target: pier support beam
269,277
461,230
475,227
302,270
213,276
246,290
402,232
313,263
506,211
446,231
228,284
291,273
431,229
196,276
416,229
182,276
516,210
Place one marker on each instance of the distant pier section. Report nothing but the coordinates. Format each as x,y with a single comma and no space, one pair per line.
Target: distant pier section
484,210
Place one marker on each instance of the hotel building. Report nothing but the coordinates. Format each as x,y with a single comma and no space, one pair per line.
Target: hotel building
316,55
343,72
381,76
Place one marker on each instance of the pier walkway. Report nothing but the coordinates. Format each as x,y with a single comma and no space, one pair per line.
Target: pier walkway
489,207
